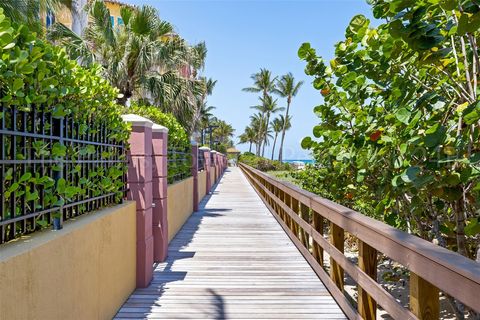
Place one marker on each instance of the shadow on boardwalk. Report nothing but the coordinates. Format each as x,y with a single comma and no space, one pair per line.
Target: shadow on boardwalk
146,303
232,260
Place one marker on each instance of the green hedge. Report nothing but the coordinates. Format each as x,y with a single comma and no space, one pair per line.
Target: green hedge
34,73
180,160
177,136
263,164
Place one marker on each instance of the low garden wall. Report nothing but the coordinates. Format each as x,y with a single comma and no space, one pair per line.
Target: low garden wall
84,271
202,185
179,204
212,177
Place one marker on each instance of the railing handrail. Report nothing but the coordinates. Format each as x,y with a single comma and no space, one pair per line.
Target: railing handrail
449,271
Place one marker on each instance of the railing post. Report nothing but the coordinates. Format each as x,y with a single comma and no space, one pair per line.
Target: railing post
195,175
317,221
337,236
305,215
367,261
139,179
206,163
424,298
159,189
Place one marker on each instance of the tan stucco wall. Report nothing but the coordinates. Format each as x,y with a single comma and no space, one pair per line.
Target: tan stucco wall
212,176
202,185
179,204
84,271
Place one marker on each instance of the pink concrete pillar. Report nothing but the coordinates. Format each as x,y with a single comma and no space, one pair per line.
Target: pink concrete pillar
139,179
195,175
159,179
208,168
217,169
214,166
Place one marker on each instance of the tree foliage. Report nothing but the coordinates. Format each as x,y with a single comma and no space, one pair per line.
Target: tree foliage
34,73
398,135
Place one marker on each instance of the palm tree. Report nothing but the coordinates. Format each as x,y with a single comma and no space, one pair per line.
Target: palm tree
28,11
286,88
262,82
79,14
257,123
201,105
248,136
143,58
278,124
267,107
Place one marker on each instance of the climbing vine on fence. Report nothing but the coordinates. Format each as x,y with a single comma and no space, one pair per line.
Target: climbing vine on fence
43,92
398,133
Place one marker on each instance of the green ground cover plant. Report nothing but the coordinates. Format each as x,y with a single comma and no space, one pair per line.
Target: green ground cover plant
263,164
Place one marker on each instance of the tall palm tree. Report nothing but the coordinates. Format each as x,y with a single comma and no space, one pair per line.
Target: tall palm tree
201,106
28,11
263,81
79,14
278,124
267,107
248,136
143,58
257,123
286,88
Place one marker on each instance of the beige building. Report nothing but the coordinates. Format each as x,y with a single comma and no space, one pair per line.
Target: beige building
65,17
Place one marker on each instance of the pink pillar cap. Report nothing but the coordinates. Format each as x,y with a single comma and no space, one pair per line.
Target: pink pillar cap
159,128
136,120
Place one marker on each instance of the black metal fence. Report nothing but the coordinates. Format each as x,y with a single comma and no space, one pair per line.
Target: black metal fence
179,164
201,161
54,169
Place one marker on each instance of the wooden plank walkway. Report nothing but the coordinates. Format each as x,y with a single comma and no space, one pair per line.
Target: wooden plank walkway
232,260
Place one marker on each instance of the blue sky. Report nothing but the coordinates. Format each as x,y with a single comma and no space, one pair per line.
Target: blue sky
244,36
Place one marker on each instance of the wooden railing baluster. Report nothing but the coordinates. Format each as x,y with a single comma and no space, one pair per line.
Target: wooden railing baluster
295,205
337,238
424,298
367,261
305,215
317,221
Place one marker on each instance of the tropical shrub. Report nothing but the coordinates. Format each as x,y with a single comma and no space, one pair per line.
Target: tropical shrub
263,164
398,133
37,75
177,136
179,158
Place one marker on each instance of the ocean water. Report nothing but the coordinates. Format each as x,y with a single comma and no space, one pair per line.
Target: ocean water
306,161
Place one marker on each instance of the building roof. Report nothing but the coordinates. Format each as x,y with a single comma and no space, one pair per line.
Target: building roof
233,150
120,3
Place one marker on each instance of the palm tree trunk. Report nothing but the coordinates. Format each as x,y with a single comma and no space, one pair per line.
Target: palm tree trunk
280,152
274,142
250,147
79,16
265,134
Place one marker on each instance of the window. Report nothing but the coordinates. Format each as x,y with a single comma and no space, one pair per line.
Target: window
119,21
112,20
49,19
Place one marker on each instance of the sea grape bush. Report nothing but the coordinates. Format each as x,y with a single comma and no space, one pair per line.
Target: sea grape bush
36,74
398,133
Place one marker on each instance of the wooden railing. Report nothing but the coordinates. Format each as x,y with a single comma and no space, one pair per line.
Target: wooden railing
304,216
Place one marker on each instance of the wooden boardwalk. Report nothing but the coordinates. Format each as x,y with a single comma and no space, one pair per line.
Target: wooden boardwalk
232,260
